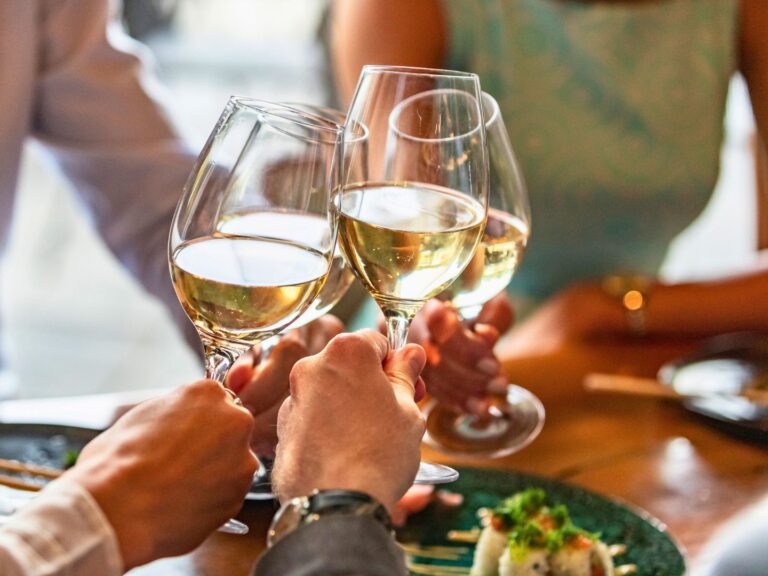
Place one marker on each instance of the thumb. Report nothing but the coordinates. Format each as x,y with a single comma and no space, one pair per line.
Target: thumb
404,366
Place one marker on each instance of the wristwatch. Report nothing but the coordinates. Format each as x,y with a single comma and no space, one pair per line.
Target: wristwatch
632,292
307,509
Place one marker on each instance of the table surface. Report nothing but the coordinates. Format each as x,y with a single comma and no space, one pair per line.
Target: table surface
649,452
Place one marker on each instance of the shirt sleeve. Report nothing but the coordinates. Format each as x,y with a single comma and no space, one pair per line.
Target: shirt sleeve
335,545
62,532
97,111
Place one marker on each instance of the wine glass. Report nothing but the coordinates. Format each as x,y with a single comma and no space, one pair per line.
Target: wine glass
308,229
273,167
411,225
516,416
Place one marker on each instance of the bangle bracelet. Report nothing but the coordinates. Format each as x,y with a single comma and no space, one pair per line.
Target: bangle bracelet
632,293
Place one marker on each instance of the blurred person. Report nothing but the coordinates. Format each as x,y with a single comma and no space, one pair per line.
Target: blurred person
153,485
138,493
348,449
76,83
72,80
615,110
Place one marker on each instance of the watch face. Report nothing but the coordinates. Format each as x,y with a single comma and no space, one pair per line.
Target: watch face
286,519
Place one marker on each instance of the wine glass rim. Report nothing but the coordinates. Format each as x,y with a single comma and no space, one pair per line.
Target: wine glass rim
288,113
360,130
494,107
396,111
417,71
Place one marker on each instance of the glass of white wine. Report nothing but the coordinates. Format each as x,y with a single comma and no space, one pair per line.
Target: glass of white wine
305,229
270,168
411,225
516,416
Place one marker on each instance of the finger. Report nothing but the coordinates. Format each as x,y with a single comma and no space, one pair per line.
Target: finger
442,322
403,367
497,312
321,331
270,383
451,340
264,436
489,334
378,343
243,369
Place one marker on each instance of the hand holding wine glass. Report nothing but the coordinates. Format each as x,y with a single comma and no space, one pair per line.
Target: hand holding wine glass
239,287
409,228
513,416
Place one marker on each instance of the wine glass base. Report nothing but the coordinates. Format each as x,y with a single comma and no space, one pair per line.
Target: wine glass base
232,526
430,473
515,419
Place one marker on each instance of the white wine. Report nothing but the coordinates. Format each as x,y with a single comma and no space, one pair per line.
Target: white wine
236,288
304,228
493,264
407,243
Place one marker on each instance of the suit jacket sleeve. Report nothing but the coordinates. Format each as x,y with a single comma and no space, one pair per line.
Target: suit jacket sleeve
96,110
335,546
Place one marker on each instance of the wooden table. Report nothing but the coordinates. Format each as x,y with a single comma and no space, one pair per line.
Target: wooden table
648,452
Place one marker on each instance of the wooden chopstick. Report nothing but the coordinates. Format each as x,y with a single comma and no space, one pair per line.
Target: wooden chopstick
621,384
31,469
19,484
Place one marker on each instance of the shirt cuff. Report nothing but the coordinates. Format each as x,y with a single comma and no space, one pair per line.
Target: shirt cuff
62,531
336,544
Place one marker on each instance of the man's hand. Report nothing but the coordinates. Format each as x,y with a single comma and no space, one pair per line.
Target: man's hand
263,385
351,421
170,470
461,366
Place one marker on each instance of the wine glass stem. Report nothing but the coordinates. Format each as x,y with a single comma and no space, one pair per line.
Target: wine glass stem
268,345
397,330
218,361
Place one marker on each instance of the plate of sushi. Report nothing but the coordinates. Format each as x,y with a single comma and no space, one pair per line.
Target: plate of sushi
513,524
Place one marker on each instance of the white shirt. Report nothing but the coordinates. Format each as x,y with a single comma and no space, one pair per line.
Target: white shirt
78,85
61,532
74,81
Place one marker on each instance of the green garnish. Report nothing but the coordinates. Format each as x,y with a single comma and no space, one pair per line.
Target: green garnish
70,458
531,523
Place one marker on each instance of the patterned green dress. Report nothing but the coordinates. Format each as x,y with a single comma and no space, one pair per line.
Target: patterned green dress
615,112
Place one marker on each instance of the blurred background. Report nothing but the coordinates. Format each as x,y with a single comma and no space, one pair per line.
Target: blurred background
72,315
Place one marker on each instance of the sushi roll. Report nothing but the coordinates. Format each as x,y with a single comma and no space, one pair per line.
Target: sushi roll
491,545
533,562
572,561
602,560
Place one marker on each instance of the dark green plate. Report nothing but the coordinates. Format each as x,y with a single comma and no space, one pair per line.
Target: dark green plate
649,545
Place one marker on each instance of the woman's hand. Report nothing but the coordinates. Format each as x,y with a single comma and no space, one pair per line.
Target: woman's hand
262,386
461,366
581,312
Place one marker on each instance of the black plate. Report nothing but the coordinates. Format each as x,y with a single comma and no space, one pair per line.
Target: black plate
722,368
43,444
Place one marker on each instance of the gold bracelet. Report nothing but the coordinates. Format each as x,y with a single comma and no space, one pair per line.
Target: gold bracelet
631,292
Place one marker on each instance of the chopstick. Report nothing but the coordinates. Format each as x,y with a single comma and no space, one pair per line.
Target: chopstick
19,484
31,469
621,384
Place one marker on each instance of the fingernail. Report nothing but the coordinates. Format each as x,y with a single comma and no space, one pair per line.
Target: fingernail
488,366
477,406
416,361
498,385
